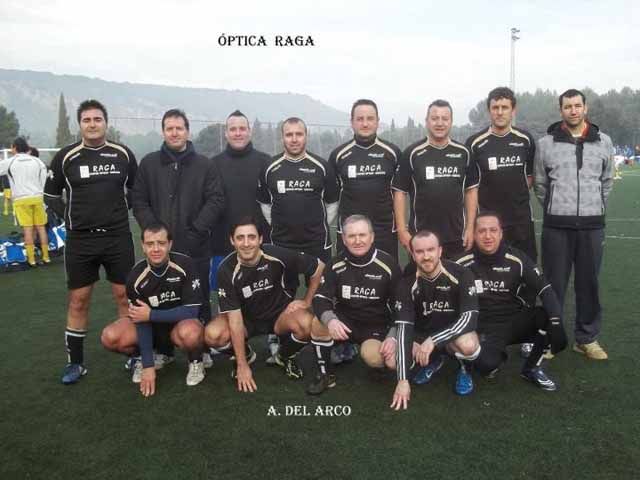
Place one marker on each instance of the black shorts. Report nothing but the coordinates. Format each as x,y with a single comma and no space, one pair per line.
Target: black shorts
85,252
262,327
361,333
498,333
522,237
385,240
162,333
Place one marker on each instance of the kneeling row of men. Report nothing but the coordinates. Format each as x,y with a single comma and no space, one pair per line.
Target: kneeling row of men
471,309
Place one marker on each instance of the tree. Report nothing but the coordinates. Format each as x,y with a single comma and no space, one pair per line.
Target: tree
9,127
114,134
63,134
210,140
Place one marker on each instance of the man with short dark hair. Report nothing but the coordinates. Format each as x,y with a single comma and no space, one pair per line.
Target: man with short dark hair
256,289
503,156
298,195
27,176
93,173
573,179
436,173
502,272
163,290
365,168
182,189
354,302
436,314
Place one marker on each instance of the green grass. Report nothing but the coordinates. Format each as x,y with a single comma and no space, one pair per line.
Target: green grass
102,428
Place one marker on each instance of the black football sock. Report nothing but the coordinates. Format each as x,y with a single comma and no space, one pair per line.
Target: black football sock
74,340
290,345
322,348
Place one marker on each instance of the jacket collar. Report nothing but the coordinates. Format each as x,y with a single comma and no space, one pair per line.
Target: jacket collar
561,134
169,156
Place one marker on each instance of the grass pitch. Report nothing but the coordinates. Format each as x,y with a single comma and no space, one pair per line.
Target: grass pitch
103,428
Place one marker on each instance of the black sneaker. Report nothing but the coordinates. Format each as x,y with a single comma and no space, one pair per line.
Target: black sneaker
321,383
291,367
537,376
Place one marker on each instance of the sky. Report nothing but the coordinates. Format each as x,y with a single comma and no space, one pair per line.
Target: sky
402,54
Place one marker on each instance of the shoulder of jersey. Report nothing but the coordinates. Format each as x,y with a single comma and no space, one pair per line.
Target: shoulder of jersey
458,145
454,268
180,258
515,254
522,132
120,147
465,259
139,265
387,259
66,149
344,146
313,156
275,251
416,146
478,136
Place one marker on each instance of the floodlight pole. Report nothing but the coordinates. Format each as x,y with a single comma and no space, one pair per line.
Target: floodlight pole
514,38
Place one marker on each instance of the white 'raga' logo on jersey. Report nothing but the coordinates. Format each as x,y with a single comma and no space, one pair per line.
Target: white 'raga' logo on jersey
370,168
299,184
447,171
104,169
453,155
493,284
364,291
512,160
515,144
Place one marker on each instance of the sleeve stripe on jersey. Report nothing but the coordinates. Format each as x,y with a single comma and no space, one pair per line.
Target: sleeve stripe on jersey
345,149
232,310
386,147
177,267
118,147
402,374
508,256
141,277
456,328
521,135
69,154
322,296
481,137
273,164
466,258
544,288
317,162
383,265
192,305
450,275
419,147
236,269
339,264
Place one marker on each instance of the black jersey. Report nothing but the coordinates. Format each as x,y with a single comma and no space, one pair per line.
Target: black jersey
297,191
174,285
436,179
365,172
501,279
361,292
264,290
501,164
94,180
443,307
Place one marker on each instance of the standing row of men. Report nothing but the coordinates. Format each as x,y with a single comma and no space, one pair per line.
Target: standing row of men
300,195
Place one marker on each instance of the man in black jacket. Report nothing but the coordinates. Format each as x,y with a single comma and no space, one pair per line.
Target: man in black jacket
182,189
239,165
